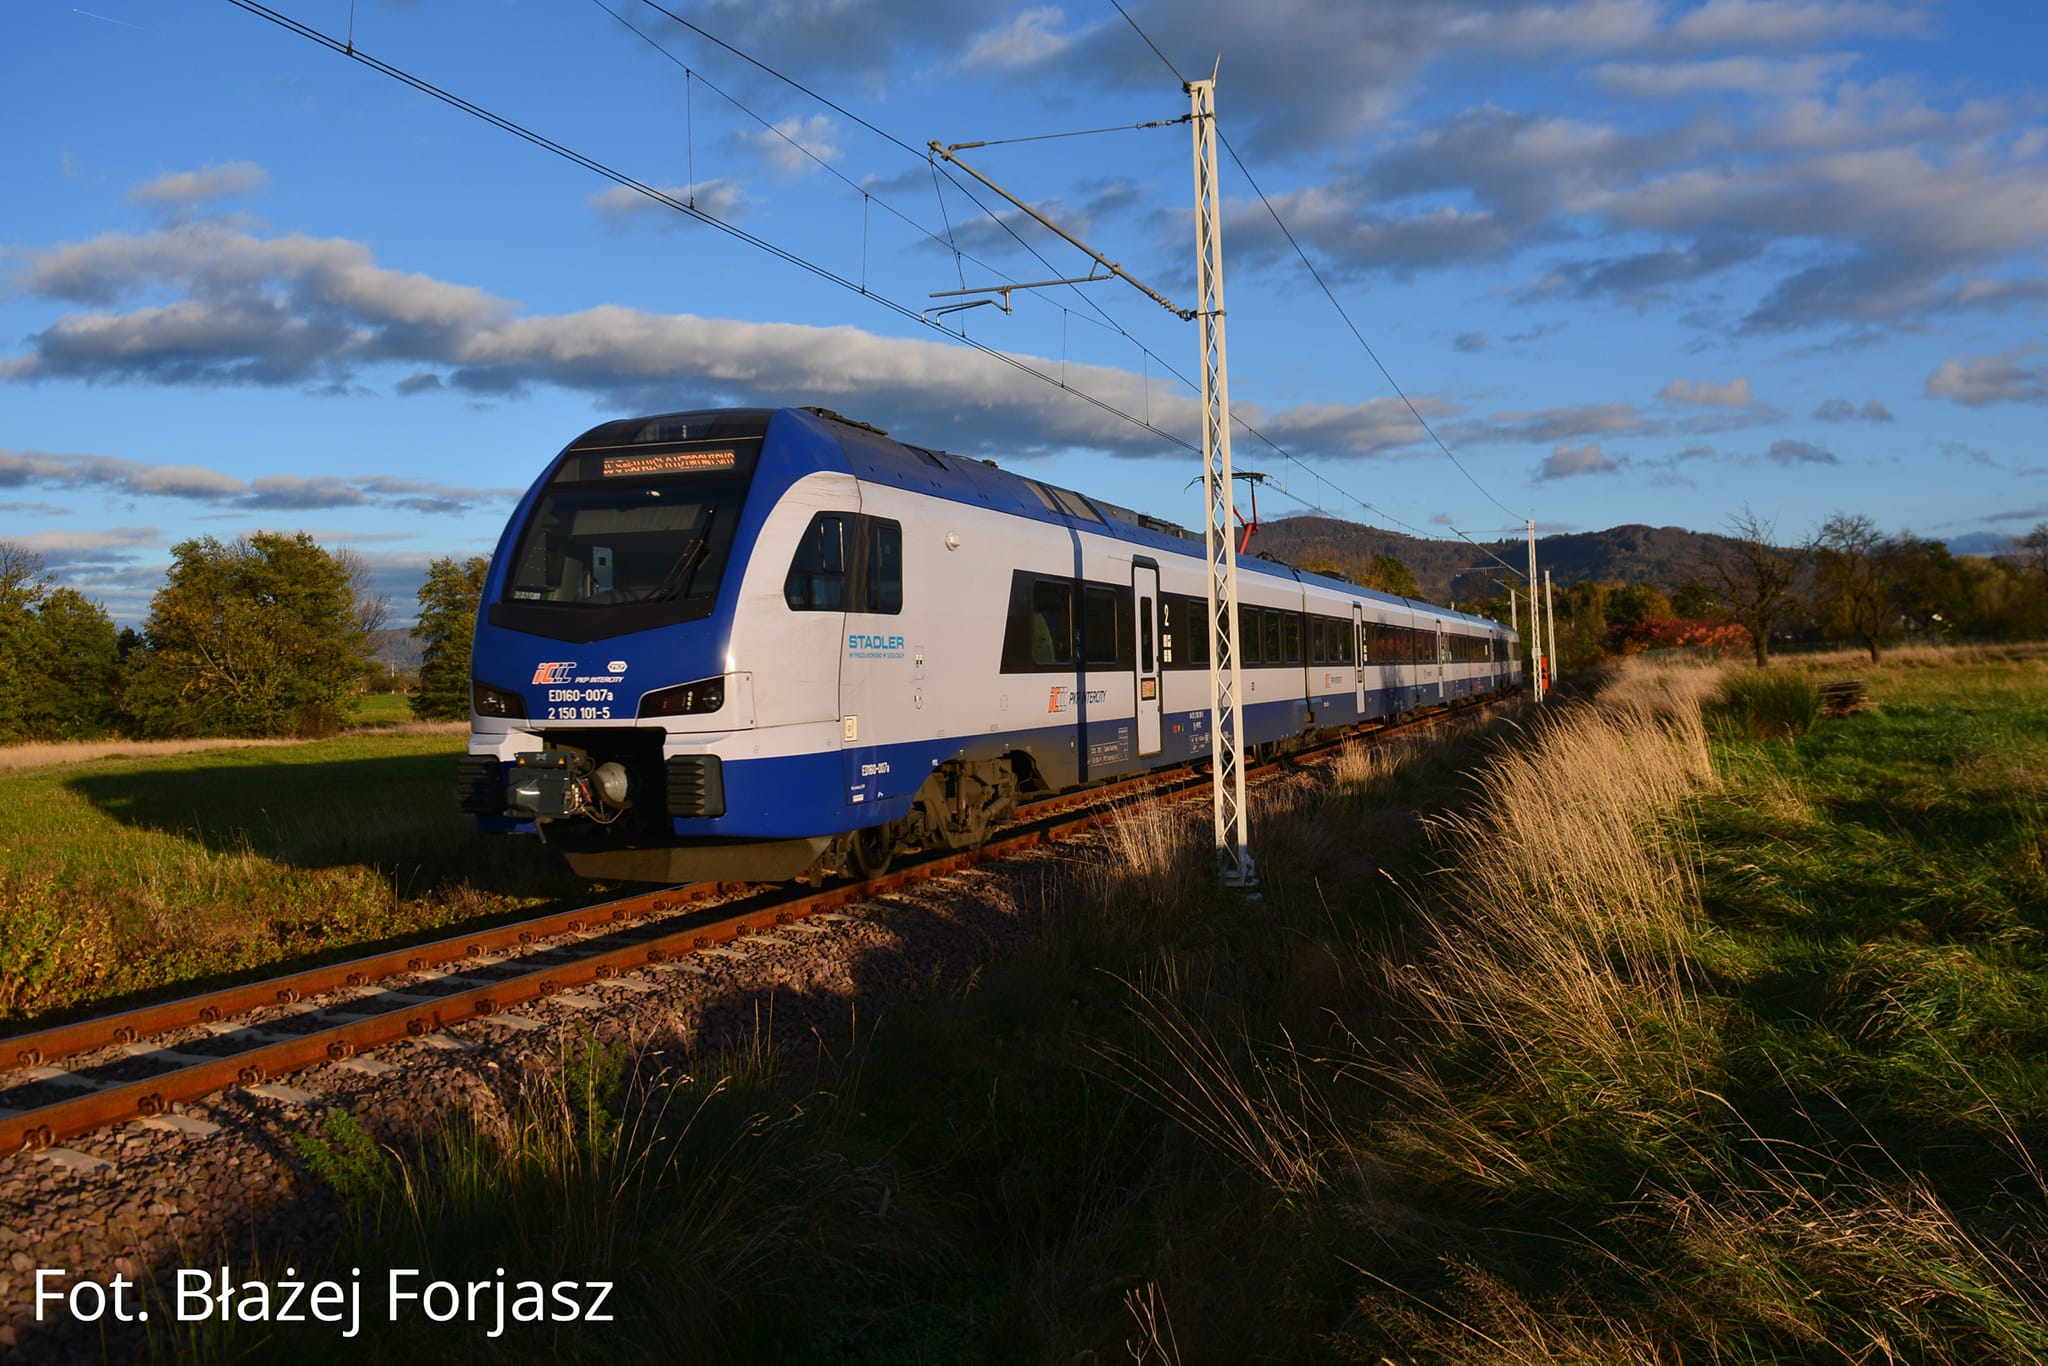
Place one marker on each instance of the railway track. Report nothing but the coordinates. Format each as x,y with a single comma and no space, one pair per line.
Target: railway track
138,1064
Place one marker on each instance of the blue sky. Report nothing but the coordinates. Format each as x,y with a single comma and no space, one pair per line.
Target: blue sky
1634,260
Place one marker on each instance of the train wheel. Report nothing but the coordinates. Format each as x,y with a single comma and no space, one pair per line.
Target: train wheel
874,849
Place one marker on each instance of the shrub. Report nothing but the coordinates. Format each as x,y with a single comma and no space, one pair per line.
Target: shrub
1768,705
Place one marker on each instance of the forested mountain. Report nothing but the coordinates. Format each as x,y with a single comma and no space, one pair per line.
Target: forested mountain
1663,556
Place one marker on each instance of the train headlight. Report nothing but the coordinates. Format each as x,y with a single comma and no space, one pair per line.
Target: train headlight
686,699
490,701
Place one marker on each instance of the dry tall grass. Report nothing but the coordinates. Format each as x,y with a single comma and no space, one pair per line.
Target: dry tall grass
48,754
1564,930
1562,1036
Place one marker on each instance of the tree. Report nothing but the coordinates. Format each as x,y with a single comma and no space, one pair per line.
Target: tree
2029,566
1632,604
1854,580
73,658
2033,552
1582,629
1928,588
1752,575
263,636
1696,601
448,603
1389,573
23,582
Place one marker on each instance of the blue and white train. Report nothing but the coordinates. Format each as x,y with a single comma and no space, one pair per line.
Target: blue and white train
753,644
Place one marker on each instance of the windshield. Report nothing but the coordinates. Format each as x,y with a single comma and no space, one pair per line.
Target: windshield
610,545
604,554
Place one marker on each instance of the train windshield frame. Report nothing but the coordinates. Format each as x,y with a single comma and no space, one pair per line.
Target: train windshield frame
628,541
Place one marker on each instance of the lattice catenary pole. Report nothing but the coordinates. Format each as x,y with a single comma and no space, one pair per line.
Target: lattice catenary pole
1535,623
1226,712
1550,616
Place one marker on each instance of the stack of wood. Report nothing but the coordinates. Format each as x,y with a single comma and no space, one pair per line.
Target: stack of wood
1844,696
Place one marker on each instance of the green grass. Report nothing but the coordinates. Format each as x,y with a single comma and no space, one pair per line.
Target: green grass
1766,705
1883,886
381,709
125,877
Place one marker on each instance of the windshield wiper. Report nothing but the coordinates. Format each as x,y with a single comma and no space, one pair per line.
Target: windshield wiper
676,583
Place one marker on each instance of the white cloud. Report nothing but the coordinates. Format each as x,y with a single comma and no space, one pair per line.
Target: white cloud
1564,462
2008,377
188,189
132,478
294,311
1794,23
69,544
1030,37
795,146
1800,453
1843,410
1765,77
722,198
1707,394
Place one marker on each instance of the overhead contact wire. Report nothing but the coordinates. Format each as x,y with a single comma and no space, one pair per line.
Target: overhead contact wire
703,216
1320,282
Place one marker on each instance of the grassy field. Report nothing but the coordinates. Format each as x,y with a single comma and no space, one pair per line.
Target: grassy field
381,709
1683,1026
1622,1038
122,877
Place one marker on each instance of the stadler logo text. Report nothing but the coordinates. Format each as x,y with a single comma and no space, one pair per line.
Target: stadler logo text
874,642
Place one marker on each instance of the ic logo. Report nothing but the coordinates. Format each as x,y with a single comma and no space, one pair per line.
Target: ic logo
553,673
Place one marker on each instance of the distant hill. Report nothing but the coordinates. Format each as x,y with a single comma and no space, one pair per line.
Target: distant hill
1663,556
396,649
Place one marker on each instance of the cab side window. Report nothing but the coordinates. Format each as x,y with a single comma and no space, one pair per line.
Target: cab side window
847,563
817,572
884,578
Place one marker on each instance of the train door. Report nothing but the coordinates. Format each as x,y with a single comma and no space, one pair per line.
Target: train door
1443,655
1145,590
882,667
1358,653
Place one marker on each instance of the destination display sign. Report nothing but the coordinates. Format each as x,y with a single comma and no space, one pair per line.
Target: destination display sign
676,462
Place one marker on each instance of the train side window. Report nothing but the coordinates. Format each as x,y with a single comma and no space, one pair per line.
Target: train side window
1104,625
1038,635
1318,646
817,572
1190,632
1270,637
885,567
1290,637
1052,622
1099,624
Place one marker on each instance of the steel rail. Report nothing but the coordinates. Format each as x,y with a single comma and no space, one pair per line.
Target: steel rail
39,1047
43,1125
128,1026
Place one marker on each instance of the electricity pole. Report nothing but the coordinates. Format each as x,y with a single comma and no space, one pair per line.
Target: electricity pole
1535,623
1550,616
1226,710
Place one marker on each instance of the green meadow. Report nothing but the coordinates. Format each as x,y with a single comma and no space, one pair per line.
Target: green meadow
126,877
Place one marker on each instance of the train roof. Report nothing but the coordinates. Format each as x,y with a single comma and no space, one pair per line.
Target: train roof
877,457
